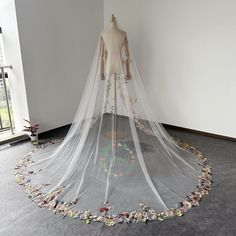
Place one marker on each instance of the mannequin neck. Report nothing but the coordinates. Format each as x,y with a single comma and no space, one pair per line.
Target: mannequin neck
112,25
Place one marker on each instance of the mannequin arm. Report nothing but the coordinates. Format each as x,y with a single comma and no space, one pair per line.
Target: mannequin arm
102,58
128,76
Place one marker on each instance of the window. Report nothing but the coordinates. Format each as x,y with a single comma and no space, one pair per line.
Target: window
6,114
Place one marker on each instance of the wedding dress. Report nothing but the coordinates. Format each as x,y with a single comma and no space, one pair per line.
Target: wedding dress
117,163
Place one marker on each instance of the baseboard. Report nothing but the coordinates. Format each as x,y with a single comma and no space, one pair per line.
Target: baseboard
200,132
65,128
52,132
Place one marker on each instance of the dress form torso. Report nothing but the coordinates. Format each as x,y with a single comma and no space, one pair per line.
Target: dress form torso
113,40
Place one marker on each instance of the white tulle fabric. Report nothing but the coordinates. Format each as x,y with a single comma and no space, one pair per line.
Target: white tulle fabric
141,163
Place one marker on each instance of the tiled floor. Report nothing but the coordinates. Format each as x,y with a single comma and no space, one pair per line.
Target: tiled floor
215,216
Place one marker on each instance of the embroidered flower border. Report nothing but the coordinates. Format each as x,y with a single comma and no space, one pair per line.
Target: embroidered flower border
36,193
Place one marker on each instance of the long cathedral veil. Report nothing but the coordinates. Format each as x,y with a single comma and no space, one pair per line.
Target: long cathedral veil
117,163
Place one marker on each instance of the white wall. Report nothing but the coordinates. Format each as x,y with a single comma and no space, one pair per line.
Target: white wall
186,55
185,51
13,56
58,39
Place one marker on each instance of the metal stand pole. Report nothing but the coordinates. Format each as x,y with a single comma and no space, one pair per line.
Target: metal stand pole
115,108
115,134
5,91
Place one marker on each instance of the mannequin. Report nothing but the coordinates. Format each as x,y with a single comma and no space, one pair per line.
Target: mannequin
112,42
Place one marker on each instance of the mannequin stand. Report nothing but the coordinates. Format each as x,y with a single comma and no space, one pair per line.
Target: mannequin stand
115,134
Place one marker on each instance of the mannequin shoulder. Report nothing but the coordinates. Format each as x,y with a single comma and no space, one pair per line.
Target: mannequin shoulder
102,35
123,33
